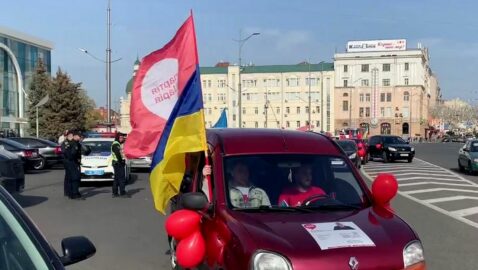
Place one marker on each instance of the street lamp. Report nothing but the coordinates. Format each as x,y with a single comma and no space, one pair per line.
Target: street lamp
350,99
40,103
241,42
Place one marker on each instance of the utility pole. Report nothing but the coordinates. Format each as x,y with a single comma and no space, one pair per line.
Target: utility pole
108,67
322,95
310,102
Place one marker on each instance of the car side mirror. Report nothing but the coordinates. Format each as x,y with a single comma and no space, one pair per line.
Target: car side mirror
76,249
194,201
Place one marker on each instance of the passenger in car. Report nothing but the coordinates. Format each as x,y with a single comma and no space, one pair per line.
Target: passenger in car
302,188
241,191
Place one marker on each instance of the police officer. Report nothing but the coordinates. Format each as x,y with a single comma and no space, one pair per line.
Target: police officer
66,149
118,166
75,152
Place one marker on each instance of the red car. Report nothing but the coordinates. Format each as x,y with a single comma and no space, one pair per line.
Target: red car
290,200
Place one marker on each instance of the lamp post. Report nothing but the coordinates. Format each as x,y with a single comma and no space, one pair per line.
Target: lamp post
241,42
40,103
350,99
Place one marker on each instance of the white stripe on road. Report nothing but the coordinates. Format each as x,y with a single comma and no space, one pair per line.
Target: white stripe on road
400,179
435,183
415,173
438,189
449,199
406,169
466,212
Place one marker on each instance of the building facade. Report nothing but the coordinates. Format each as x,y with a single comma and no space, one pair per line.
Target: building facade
19,54
385,92
275,96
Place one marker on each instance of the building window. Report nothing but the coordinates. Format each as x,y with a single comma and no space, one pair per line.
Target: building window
345,105
385,128
386,67
313,81
307,109
406,66
249,83
388,112
346,68
365,83
233,117
406,96
287,109
405,112
204,83
298,110
382,97
209,83
256,124
346,83
243,110
389,97
317,124
256,110
317,109
278,109
298,124
386,82
365,68
361,97
406,81
292,82
361,110
233,103
367,97
367,112
287,124
382,111
221,97
345,95
221,83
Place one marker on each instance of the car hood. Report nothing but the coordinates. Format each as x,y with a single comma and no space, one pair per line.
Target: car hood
285,234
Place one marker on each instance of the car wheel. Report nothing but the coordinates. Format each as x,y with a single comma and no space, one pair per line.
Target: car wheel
470,168
410,160
40,165
384,157
461,168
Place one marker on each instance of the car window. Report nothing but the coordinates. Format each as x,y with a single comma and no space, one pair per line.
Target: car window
18,250
29,142
254,181
347,145
374,140
99,147
474,147
393,140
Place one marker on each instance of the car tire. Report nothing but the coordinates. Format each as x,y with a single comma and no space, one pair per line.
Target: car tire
385,157
469,168
461,168
410,160
40,165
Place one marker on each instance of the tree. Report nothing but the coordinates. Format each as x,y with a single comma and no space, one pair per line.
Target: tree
93,116
39,88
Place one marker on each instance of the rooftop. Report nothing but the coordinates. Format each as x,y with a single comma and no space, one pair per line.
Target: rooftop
25,38
303,67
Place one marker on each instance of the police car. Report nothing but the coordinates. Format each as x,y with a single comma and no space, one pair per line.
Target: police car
98,165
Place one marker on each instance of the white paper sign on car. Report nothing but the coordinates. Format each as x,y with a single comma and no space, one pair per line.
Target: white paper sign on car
332,235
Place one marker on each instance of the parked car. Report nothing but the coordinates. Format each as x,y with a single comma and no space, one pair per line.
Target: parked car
305,236
468,157
98,164
50,152
24,247
362,146
12,176
140,163
30,156
390,148
351,150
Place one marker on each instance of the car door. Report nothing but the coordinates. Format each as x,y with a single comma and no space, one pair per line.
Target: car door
372,146
466,154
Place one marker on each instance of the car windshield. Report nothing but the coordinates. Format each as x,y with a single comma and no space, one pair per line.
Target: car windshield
19,250
474,147
347,146
99,147
393,140
290,181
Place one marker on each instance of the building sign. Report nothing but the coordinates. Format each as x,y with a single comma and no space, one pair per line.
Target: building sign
377,45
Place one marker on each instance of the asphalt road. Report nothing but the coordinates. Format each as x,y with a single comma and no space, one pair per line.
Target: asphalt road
430,202
127,232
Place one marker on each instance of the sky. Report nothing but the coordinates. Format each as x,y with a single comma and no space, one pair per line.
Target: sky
291,32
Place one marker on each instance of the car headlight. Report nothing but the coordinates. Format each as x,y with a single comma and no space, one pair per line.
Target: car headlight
392,149
413,253
268,260
475,160
353,155
413,149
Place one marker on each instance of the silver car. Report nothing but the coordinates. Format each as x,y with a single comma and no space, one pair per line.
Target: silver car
50,152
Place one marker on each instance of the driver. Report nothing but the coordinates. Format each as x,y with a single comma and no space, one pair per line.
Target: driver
302,188
241,192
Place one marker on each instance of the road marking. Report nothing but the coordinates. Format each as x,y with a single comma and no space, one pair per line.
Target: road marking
423,171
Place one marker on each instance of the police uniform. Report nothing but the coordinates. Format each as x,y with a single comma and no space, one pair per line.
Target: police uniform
65,148
119,168
72,156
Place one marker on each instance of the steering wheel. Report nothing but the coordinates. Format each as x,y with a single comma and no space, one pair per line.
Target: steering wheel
314,198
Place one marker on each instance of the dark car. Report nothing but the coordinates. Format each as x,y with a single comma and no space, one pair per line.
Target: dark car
30,156
50,152
345,226
390,148
351,150
23,246
12,176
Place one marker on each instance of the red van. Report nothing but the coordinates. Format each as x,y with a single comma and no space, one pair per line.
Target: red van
291,200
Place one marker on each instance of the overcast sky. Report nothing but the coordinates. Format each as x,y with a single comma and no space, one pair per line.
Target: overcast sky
291,31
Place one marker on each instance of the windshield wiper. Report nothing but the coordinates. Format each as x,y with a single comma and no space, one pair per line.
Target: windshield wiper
334,206
266,208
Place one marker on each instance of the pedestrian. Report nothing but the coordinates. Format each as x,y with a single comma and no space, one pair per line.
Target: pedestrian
118,166
62,137
66,149
76,162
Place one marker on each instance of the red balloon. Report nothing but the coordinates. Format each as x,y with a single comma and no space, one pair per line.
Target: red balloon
182,224
384,188
190,251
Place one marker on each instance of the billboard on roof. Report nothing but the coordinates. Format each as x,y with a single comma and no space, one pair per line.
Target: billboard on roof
377,45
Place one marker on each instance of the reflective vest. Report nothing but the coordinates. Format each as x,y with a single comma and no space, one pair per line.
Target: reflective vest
113,155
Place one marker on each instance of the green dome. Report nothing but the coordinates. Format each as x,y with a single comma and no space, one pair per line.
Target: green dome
129,86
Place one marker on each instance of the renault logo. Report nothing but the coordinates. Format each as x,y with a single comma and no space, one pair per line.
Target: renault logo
353,263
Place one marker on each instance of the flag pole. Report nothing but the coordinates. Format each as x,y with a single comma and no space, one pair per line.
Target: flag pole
206,155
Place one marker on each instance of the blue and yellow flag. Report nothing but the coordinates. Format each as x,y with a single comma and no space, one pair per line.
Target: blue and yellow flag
184,131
